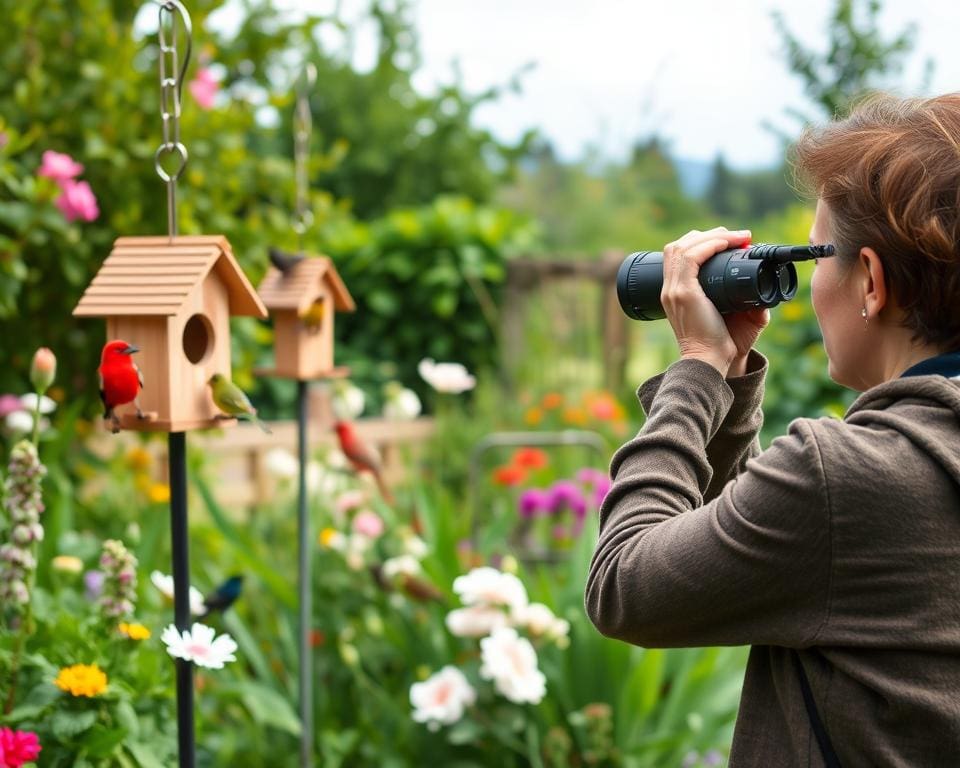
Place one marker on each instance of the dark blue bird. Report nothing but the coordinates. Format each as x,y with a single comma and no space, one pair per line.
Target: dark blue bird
223,596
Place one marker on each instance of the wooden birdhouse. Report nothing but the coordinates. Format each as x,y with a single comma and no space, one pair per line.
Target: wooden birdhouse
302,302
173,299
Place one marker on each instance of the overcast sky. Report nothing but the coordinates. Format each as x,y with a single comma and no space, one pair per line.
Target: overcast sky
702,73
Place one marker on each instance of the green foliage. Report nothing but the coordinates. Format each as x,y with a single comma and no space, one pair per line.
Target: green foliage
857,58
77,79
591,206
427,284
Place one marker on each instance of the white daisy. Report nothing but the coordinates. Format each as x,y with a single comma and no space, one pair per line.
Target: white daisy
198,645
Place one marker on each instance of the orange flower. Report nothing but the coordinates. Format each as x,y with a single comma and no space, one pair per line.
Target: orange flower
552,400
509,475
605,407
530,458
533,416
575,416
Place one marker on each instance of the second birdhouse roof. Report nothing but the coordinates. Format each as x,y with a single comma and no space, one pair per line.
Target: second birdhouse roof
301,286
157,275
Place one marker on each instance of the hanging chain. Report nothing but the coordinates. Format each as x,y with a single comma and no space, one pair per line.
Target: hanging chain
174,21
302,127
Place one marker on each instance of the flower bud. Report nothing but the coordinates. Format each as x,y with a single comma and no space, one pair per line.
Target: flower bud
43,369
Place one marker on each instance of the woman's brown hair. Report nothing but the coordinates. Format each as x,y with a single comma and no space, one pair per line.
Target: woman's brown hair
890,176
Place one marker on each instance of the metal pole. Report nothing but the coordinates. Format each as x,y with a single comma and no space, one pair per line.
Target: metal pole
177,458
306,606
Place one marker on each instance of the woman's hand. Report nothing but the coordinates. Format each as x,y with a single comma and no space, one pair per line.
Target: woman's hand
702,332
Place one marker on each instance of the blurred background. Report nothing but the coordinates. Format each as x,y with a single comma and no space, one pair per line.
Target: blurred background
477,172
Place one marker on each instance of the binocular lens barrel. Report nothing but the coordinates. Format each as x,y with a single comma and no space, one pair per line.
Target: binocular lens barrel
731,279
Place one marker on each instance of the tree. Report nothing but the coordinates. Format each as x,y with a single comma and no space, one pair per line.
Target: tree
858,58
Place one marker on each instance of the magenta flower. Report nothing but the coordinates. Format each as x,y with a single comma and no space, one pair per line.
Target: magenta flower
77,201
565,494
532,502
9,404
204,87
59,167
18,747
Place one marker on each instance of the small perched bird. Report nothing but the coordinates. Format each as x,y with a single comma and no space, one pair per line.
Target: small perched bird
363,457
223,596
120,380
284,261
312,319
230,399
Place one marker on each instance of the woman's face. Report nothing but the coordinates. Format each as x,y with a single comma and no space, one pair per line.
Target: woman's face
837,305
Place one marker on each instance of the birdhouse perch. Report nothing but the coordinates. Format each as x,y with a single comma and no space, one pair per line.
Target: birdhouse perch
172,298
302,302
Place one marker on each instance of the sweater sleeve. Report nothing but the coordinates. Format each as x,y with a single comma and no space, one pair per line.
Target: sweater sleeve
750,567
737,439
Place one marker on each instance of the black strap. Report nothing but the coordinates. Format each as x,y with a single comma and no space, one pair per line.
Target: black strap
823,739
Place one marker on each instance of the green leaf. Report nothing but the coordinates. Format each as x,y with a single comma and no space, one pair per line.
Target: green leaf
269,708
464,732
67,725
145,755
102,742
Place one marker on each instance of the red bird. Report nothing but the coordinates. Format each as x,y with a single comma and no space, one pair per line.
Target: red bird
362,457
120,380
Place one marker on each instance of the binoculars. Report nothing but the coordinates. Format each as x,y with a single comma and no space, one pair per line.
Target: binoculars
735,280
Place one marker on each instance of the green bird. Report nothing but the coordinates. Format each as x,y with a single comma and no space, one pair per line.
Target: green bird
230,399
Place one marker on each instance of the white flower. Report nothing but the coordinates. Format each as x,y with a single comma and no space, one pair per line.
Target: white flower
488,586
415,546
322,481
347,401
404,565
401,404
19,421
475,621
29,402
281,463
198,645
164,583
451,378
511,663
540,621
441,698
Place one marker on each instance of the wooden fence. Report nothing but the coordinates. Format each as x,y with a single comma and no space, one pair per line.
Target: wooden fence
528,277
237,454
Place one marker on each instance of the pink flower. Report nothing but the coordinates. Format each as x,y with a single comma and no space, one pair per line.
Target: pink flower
77,201
204,87
18,747
368,524
59,167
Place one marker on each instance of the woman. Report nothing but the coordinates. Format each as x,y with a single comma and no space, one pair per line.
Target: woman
835,553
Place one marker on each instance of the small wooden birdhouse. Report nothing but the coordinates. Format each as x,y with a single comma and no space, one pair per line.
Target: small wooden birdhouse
302,302
173,299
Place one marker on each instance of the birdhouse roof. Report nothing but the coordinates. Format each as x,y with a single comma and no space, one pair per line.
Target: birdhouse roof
157,275
302,285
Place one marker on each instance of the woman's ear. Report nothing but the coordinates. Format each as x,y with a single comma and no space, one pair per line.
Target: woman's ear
874,283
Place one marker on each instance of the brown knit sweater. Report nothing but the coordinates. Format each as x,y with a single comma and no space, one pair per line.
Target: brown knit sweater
841,540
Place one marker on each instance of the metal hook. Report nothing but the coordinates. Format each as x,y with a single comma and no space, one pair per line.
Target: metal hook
169,6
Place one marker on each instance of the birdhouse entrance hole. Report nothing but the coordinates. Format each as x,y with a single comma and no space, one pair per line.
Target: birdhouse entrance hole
197,338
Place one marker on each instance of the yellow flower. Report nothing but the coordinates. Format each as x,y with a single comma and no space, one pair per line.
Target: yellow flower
792,310
533,416
138,459
576,416
134,631
328,536
159,493
82,680
67,564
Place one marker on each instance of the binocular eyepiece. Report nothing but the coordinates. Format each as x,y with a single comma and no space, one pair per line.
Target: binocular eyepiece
734,280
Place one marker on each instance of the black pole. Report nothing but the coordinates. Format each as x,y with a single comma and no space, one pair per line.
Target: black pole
306,608
177,458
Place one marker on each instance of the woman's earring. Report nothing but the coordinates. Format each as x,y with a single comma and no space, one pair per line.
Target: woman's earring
863,313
